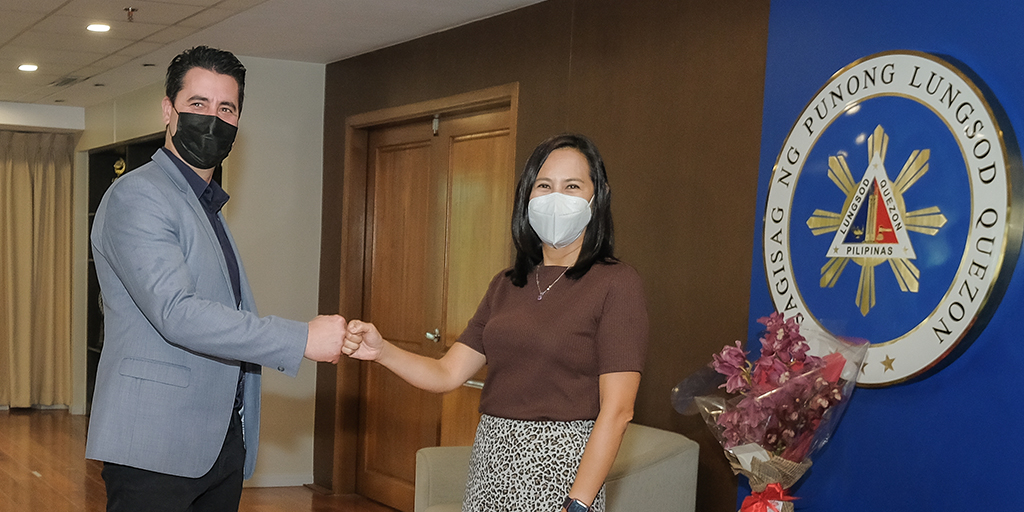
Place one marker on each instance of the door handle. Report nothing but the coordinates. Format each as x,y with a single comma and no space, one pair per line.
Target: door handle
434,336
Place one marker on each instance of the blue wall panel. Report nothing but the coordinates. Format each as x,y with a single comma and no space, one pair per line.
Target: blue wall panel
951,440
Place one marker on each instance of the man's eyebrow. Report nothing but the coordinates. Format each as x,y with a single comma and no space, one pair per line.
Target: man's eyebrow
204,99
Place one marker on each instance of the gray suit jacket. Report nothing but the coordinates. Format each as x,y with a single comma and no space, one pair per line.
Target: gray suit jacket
173,339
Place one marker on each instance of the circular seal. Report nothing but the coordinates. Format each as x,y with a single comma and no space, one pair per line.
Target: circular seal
889,212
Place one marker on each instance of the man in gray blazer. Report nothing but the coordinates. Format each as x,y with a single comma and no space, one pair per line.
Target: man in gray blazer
176,407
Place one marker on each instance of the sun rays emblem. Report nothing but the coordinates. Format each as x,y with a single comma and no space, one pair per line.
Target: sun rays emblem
873,226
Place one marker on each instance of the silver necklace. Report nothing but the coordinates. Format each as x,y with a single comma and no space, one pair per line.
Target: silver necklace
540,294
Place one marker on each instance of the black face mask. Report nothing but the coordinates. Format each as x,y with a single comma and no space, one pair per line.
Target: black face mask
203,141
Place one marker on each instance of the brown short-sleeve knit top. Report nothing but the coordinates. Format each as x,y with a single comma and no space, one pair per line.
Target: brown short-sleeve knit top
544,357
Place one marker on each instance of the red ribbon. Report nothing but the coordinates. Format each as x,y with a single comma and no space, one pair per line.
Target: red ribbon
762,501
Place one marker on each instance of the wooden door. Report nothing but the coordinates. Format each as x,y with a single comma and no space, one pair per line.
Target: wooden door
438,210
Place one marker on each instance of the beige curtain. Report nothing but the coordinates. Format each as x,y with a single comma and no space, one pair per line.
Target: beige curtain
35,268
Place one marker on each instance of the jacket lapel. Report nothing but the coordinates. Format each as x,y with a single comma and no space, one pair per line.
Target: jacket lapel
202,222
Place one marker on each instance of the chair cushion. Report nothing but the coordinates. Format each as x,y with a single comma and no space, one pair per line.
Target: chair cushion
644,446
655,470
445,507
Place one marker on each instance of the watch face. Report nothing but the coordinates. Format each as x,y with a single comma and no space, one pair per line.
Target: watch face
572,505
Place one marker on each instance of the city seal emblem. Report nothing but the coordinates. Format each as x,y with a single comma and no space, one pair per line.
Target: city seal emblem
892,213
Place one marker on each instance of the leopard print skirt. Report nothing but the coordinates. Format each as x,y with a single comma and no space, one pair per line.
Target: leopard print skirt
525,466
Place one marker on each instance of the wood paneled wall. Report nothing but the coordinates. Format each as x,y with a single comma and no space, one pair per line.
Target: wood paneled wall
671,92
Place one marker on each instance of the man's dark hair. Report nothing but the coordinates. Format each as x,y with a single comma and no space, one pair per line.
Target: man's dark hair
218,61
598,242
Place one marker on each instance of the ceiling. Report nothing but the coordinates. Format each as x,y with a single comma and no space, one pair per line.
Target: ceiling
81,68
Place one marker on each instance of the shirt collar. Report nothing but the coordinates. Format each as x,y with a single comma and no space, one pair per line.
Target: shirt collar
210,195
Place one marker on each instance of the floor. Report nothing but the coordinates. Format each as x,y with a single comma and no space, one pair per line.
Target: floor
43,468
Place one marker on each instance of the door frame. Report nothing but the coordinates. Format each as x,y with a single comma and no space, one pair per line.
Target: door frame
341,442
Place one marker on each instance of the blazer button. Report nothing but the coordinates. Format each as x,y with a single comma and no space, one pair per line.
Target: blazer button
280,368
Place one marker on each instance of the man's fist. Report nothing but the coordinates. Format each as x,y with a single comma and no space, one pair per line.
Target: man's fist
325,338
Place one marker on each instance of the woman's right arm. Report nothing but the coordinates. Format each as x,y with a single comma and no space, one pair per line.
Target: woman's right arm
458,365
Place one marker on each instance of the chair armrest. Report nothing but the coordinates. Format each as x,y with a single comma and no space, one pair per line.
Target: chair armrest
655,470
441,473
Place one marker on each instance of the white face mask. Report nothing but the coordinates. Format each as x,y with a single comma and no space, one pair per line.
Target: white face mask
559,219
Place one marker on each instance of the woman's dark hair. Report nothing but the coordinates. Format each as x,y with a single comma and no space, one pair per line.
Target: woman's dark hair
218,61
598,242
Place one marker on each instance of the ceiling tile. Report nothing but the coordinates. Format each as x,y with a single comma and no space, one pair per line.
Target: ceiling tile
160,13
82,42
206,18
39,6
111,61
201,3
40,56
14,23
76,25
139,48
26,80
239,5
171,34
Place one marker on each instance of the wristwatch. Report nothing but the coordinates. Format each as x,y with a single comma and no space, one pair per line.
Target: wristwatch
574,505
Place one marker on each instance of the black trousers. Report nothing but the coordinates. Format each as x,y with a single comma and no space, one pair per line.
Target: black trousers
219,490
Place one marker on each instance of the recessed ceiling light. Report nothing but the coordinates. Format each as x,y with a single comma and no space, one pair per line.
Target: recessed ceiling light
98,27
28,67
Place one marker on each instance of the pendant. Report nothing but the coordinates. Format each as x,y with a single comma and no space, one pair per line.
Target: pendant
539,297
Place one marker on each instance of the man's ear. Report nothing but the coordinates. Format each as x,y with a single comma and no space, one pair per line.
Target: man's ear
168,108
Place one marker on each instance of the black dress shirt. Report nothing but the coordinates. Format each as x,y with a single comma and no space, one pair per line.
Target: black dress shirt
213,198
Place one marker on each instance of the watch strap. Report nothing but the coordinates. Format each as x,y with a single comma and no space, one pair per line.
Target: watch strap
574,505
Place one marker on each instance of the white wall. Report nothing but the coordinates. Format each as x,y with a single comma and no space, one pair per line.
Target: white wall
274,178
48,117
127,117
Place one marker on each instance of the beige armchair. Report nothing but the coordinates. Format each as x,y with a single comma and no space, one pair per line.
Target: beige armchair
655,471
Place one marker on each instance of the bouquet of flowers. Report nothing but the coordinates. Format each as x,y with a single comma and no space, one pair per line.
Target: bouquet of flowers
785,405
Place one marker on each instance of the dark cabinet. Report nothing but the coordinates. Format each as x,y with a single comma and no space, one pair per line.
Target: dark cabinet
105,165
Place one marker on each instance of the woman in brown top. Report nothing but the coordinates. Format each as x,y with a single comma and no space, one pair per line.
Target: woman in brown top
563,334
